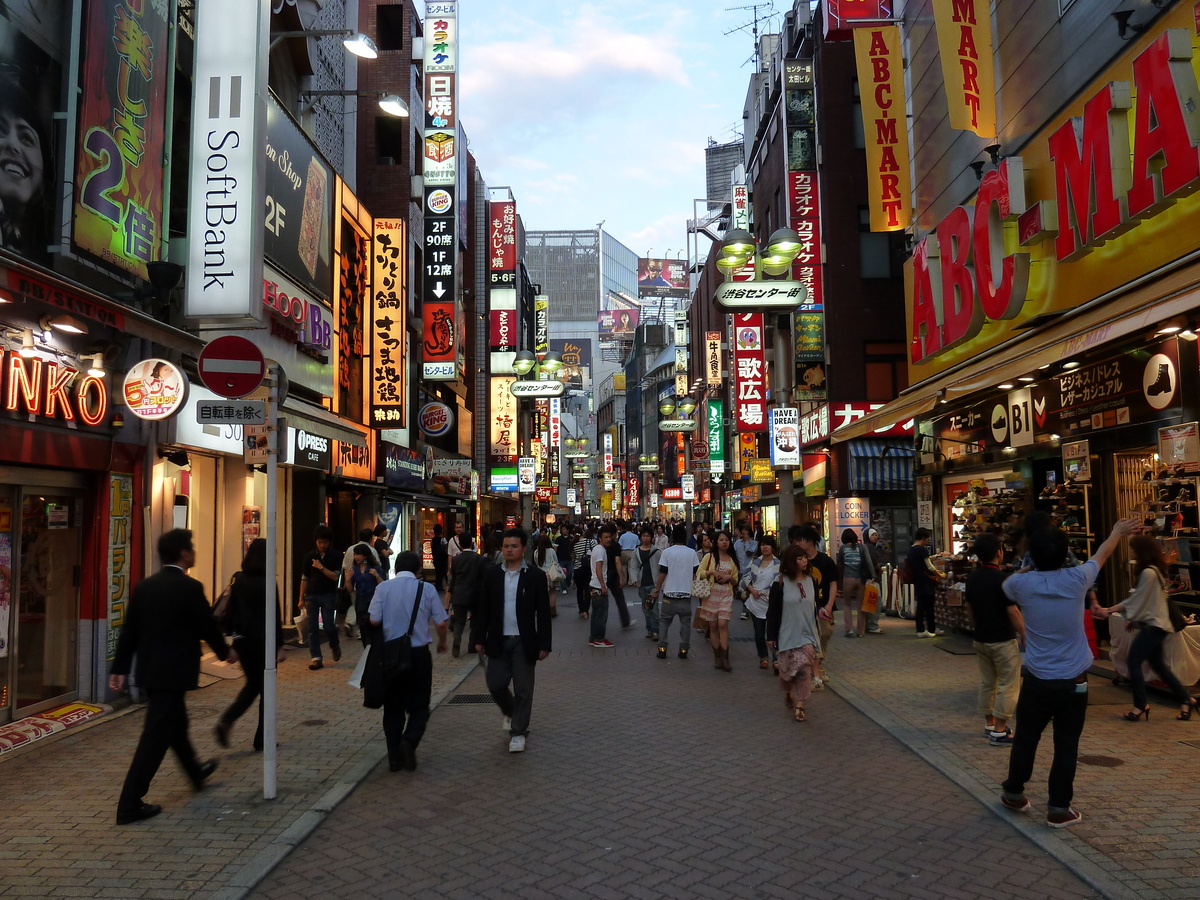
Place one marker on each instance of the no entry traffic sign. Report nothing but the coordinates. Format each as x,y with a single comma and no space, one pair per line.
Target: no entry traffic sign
231,366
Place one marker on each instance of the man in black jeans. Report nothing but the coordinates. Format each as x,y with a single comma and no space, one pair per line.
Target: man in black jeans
1052,601
923,577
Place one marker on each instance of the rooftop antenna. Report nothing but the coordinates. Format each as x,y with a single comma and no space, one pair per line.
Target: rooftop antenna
754,8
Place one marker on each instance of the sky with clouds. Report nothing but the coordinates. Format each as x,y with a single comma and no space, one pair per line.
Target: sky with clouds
601,112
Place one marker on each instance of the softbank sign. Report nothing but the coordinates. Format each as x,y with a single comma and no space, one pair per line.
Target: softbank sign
225,230
1099,175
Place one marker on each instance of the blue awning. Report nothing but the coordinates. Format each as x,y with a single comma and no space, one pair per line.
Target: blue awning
881,465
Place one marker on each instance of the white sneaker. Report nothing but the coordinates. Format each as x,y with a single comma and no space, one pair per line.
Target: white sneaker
506,725
940,633
517,744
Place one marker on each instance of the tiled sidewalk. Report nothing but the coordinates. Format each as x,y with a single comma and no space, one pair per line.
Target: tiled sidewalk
1140,834
57,837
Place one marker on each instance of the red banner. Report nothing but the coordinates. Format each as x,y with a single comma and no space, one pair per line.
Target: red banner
438,337
749,373
122,122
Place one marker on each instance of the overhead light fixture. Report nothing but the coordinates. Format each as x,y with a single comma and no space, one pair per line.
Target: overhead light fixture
1026,378
1046,366
1071,364
666,406
69,324
524,362
993,152
393,105
354,41
388,102
552,361
28,350
977,168
1187,334
686,405
1172,326
1007,386
1124,26
96,369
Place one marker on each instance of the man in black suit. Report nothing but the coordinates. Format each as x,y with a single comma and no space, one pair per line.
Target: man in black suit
168,617
512,626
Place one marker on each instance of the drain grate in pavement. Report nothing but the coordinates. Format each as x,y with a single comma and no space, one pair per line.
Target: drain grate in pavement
469,699
1105,762
313,722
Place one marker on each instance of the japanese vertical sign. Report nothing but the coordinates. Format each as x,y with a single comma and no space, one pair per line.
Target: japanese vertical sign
541,325
441,308
555,437
229,123
120,552
749,373
608,453
712,357
681,354
387,311
715,413
122,122
741,207
964,33
877,55
502,443
502,236
785,436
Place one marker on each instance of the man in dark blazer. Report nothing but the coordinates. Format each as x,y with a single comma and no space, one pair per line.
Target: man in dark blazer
168,616
512,626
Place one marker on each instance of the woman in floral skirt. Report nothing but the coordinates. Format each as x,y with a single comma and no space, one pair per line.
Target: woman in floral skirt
792,627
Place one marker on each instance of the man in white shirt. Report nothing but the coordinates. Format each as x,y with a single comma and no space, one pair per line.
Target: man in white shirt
601,589
676,569
628,542
455,545
406,696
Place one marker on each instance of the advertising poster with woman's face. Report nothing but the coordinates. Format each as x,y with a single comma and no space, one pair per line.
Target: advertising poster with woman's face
30,90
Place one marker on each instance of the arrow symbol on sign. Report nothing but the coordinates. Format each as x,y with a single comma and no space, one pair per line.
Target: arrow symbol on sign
1039,411
439,290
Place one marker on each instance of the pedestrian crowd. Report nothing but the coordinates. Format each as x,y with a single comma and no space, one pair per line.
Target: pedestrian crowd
1028,628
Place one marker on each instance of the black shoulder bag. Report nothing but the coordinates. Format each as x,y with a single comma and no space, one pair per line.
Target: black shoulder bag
397,653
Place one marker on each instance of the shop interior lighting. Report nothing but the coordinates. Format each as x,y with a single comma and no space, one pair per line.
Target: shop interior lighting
1172,326
1026,378
96,369
1046,366
1007,386
1187,334
1071,364
27,349
354,41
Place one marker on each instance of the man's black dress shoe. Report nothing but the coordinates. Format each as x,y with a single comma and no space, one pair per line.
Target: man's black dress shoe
145,811
206,769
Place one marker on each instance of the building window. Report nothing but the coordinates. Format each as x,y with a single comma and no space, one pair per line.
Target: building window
390,135
874,248
389,27
886,371
860,139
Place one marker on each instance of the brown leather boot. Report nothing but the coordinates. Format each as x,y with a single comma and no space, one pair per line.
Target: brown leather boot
717,658
725,664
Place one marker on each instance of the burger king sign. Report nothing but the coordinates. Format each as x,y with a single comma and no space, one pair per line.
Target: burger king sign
435,419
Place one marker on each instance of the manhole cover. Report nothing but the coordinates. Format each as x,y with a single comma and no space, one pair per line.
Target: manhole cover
314,722
468,699
1105,762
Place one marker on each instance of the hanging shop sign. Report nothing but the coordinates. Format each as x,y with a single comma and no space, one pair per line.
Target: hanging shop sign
120,555
538,388
54,390
740,296
299,204
527,474
1077,460
964,35
815,467
229,111
354,460
715,414
843,414
672,494
122,131
439,343
785,436
632,490
312,451
608,453
541,324
749,372
1115,168
404,469
154,389
387,324
879,58
814,426
502,243
435,419
502,443
503,315
740,216
760,471
843,15
676,425
712,357
687,487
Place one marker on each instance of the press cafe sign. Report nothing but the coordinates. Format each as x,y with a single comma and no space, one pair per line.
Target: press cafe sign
1110,164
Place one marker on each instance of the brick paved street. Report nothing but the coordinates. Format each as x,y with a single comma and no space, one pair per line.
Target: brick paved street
648,779
643,778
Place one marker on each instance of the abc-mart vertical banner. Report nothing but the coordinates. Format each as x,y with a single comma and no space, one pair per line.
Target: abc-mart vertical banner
444,350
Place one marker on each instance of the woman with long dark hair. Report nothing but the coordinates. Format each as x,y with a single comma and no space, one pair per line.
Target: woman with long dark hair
1146,609
248,598
721,568
546,558
792,627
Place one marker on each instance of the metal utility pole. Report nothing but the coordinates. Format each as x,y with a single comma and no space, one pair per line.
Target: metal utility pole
785,372
271,602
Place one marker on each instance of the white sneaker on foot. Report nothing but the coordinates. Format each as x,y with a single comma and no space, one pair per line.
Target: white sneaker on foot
506,725
517,744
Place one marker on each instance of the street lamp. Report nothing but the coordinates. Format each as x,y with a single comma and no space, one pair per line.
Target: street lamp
388,102
648,463
776,258
686,405
354,41
552,361
666,406
524,362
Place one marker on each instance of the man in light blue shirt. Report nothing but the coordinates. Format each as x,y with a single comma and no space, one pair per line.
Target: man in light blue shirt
1051,603
406,696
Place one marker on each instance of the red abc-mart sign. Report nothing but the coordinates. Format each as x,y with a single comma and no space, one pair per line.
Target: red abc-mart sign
231,366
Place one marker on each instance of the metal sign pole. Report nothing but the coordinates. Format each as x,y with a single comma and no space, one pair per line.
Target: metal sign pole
271,603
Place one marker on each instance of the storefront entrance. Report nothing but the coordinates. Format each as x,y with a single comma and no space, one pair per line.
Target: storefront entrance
40,556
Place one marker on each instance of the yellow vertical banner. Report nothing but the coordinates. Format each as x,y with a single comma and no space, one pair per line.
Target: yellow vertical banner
880,66
964,33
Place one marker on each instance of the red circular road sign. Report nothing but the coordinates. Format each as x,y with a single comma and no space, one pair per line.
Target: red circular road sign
231,366
699,449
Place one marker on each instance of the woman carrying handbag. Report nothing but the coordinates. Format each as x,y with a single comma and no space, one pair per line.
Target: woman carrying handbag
547,560
721,569
1147,610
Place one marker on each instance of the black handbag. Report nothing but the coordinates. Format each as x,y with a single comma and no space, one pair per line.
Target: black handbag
397,653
